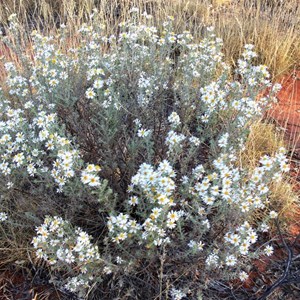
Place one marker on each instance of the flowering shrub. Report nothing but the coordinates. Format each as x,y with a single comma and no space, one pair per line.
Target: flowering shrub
167,120
58,244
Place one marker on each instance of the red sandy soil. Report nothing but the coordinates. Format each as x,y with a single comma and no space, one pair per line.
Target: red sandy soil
287,111
287,114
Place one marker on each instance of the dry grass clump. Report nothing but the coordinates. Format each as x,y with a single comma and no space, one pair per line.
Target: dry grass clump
284,197
264,139
273,29
285,200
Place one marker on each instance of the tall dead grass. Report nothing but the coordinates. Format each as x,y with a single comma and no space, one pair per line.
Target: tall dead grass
266,139
272,25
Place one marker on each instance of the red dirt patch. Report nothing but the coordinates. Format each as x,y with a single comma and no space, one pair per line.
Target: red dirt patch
294,221
287,114
287,111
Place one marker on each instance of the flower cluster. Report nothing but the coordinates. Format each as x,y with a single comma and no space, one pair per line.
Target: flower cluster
58,244
33,144
239,190
156,188
174,119
88,175
173,140
177,294
3,216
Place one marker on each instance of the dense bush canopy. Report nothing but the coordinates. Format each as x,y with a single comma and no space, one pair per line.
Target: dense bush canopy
128,149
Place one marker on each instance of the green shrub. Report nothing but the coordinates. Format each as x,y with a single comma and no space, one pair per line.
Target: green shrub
135,140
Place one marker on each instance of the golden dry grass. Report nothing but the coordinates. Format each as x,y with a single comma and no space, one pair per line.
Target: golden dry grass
274,28
264,139
284,198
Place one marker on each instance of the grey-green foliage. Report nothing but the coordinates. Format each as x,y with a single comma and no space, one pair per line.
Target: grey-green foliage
165,118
